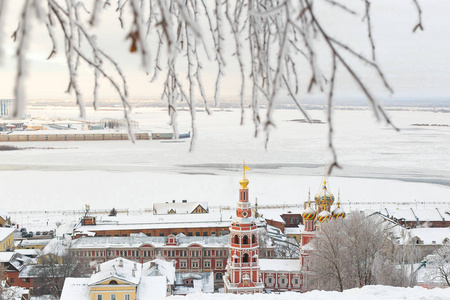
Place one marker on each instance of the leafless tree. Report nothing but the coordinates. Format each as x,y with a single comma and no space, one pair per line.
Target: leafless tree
263,240
52,270
274,42
438,265
287,249
354,252
113,212
2,278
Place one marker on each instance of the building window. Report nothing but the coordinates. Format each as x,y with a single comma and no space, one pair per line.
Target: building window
189,233
207,264
182,264
197,233
12,280
219,265
99,297
113,297
205,233
245,240
269,280
127,296
195,264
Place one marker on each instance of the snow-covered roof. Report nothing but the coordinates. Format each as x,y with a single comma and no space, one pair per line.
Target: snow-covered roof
120,269
154,286
6,256
214,218
76,289
272,214
288,265
55,246
292,230
30,271
431,236
417,214
27,252
203,283
5,232
139,240
15,259
159,267
177,207
3,214
34,242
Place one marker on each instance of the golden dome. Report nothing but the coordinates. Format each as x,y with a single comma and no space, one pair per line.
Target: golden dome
244,182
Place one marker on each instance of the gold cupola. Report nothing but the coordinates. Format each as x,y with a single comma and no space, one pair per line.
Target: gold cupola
244,181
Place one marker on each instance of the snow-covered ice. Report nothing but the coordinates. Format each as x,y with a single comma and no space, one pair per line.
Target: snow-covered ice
380,165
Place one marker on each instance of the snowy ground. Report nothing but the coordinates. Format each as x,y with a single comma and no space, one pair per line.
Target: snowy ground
380,165
367,293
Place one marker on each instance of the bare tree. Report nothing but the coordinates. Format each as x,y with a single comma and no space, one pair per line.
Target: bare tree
354,252
274,43
286,249
438,265
263,241
113,212
2,279
52,270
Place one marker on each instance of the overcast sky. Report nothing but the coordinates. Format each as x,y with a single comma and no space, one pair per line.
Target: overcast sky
416,64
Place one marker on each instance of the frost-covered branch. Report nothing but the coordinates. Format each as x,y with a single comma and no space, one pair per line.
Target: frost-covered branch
273,42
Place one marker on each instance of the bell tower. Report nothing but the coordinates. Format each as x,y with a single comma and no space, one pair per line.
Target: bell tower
243,271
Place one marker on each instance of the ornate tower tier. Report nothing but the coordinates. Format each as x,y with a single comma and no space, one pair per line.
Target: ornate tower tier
243,271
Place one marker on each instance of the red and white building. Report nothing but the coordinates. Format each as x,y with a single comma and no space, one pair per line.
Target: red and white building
243,274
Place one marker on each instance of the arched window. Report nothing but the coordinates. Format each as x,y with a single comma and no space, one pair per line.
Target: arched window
245,240
245,258
218,276
236,240
253,239
113,282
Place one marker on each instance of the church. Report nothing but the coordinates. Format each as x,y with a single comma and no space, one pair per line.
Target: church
244,272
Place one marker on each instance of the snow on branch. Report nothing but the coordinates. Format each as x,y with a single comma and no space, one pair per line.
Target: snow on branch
274,43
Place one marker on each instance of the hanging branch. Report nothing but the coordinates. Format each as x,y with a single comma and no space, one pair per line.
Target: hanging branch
22,33
274,43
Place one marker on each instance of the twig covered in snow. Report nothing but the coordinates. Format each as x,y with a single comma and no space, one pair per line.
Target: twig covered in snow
274,43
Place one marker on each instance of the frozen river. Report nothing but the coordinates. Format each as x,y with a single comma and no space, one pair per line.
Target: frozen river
380,164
